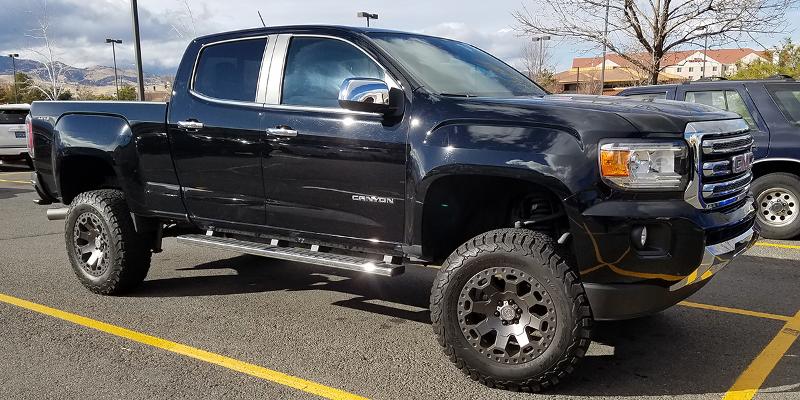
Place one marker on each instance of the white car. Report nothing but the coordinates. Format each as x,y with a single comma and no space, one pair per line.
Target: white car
13,143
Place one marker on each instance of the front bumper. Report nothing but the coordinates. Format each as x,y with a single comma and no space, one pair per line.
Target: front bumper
688,247
626,301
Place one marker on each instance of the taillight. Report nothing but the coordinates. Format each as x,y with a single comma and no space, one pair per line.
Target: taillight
29,135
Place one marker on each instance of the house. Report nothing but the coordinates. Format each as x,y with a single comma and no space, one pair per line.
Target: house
677,66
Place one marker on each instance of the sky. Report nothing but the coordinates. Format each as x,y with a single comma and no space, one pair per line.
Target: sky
79,27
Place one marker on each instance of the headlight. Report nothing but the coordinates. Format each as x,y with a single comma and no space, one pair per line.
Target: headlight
642,165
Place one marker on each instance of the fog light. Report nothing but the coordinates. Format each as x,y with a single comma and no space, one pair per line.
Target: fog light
639,237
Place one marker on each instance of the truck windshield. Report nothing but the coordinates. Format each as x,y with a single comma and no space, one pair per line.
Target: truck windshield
788,99
16,117
452,68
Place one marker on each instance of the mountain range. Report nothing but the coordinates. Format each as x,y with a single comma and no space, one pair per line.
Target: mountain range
97,76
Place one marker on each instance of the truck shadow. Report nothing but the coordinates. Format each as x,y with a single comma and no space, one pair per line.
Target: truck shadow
681,351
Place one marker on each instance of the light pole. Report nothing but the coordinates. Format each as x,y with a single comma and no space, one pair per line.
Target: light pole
137,48
115,42
367,16
14,56
605,45
541,40
705,52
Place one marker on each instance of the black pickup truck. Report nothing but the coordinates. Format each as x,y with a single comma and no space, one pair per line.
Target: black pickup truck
771,107
372,151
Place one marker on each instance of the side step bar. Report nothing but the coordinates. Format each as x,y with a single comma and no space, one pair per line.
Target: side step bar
351,263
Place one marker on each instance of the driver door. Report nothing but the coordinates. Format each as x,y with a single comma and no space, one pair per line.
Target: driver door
328,170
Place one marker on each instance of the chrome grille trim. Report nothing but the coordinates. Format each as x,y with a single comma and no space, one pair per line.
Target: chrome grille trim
717,148
724,188
730,144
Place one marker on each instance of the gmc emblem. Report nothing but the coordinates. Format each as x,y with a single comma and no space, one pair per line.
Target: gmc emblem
741,163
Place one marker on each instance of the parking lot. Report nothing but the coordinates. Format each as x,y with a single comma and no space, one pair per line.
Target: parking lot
209,324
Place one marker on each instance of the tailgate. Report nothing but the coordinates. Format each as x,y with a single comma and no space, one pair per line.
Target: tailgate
12,135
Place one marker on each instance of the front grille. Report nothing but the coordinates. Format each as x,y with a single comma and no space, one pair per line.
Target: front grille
724,174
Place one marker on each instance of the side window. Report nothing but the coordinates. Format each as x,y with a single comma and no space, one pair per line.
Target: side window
788,99
316,67
229,71
648,96
725,99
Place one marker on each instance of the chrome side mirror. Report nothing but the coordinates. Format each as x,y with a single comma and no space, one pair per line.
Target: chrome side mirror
364,94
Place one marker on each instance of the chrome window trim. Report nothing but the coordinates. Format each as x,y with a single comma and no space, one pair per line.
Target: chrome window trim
201,96
275,89
263,73
776,159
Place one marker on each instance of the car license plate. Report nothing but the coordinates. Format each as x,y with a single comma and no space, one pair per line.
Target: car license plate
19,135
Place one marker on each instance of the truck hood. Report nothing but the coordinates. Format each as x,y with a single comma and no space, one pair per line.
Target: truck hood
664,116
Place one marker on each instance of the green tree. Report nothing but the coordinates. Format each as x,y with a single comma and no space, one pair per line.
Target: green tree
127,92
25,90
783,60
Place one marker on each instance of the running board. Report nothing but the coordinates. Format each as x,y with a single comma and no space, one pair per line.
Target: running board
340,261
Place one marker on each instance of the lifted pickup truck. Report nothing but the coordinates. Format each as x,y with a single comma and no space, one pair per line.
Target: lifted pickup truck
369,150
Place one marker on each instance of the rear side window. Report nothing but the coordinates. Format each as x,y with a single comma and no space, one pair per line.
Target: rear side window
788,99
316,67
729,100
15,117
648,96
229,71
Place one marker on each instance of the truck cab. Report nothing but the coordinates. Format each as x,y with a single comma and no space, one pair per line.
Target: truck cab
771,108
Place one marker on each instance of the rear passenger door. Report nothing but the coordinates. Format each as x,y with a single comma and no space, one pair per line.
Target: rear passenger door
216,134
732,98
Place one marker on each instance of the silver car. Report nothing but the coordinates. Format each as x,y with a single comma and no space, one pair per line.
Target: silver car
13,143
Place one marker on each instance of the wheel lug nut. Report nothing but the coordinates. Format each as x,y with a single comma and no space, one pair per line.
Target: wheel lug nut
505,322
511,302
519,312
497,313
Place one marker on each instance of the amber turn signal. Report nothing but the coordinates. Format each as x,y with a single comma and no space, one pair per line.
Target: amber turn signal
614,162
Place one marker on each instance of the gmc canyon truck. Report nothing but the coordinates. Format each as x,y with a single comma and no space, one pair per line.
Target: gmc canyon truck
771,107
369,150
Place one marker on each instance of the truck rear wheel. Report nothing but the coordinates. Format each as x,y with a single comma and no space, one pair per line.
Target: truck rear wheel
106,252
509,312
778,203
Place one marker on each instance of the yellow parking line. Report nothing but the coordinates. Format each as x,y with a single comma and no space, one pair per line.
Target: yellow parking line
10,181
778,245
748,383
202,355
735,311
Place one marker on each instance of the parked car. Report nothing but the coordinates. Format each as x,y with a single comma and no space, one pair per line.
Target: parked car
367,150
771,108
13,145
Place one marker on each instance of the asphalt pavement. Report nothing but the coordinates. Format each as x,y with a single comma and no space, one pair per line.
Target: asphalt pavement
214,324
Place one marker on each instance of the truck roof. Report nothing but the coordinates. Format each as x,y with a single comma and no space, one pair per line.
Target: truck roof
15,106
320,27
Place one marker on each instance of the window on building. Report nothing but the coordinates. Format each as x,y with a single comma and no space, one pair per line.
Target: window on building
691,77
229,70
691,69
725,99
713,68
724,67
702,69
679,69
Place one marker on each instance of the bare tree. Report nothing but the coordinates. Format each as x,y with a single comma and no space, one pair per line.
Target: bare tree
536,59
53,84
657,26
184,20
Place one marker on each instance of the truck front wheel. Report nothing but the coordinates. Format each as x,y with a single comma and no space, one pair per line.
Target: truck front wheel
509,312
106,252
778,201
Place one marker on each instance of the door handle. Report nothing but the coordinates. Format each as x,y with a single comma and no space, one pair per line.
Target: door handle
282,131
190,125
